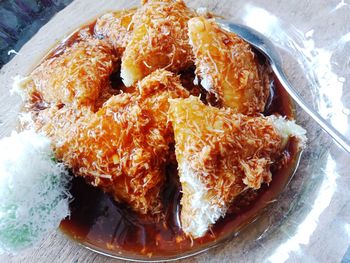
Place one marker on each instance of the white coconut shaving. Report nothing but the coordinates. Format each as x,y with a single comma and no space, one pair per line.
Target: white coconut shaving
207,83
206,79
33,190
26,120
19,84
196,80
205,210
19,87
288,128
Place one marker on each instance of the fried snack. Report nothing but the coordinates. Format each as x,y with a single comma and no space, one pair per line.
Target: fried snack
159,40
77,76
123,147
220,154
117,28
227,67
61,124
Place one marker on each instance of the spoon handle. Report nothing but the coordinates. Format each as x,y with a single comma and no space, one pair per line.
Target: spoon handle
336,135
264,45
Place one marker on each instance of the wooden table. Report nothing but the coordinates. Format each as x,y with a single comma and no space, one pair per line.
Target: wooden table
57,248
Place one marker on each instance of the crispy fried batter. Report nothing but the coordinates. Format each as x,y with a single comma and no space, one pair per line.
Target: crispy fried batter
117,28
123,147
227,67
77,76
219,154
159,40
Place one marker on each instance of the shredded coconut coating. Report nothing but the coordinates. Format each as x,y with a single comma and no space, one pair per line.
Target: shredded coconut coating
159,40
123,147
227,67
219,154
77,76
117,28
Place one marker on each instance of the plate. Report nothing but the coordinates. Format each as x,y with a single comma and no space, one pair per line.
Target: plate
310,219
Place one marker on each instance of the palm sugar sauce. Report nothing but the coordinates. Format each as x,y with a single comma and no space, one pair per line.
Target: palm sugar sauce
99,222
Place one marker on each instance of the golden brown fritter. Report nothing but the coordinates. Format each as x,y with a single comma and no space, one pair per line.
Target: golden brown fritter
159,40
124,146
219,155
227,67
61,124
77,76
117,28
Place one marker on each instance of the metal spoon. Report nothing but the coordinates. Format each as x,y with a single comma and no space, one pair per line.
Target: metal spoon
265,46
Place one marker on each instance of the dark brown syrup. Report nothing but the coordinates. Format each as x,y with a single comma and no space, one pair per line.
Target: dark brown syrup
99,222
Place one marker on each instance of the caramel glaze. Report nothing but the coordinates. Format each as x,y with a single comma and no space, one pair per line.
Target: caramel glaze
98,221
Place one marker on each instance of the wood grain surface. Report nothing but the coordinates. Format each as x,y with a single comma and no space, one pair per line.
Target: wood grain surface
254,244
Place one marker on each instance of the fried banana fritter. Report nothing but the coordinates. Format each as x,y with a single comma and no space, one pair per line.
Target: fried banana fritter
124,146
220,154
226,66
117,28
159,40
77,76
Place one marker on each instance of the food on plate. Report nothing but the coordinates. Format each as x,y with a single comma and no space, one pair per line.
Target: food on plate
117,28
227,67
115,100
123,147
220,154
77,76
159,40
33,190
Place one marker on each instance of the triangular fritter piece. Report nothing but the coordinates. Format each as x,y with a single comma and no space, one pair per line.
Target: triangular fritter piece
219,155
123,148
227,67
75,77
117,28
159,40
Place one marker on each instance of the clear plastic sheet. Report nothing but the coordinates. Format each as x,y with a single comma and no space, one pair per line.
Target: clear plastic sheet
310,221
314,40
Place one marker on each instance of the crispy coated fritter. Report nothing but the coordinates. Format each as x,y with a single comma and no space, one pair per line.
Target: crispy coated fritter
219,155
227,67
117,28
124,146
77,76
159,40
